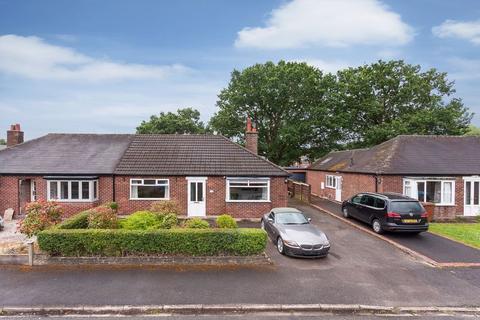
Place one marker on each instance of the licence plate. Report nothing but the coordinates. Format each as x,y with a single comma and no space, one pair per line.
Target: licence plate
409,220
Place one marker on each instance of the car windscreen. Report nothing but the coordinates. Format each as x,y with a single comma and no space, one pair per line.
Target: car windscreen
290,218
406,207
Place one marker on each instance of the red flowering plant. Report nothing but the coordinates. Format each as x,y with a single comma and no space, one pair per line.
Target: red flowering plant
40,216
102,217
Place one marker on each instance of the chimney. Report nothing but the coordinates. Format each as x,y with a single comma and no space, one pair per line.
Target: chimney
251,137
14,135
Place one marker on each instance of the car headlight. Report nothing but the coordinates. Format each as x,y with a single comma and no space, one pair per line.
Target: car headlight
291,243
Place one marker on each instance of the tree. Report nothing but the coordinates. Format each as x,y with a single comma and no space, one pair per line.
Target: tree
288,105
186,120
473,131
379,101
3,142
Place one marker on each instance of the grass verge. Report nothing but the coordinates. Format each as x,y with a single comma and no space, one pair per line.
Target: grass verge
468,233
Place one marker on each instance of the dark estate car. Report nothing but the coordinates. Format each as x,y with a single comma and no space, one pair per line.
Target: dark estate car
294,234
387,212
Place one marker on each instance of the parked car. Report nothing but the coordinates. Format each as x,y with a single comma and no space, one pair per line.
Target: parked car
293,233
387,212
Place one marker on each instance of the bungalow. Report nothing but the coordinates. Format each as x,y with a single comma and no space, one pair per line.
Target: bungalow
205,174
443,170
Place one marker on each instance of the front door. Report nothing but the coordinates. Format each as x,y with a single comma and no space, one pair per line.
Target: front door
24,194
338,188
472,196
196,197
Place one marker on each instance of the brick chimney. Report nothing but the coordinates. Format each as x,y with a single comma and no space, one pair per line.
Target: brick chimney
251,137
14,135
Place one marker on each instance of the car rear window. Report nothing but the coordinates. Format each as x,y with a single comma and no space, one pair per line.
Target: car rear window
406,206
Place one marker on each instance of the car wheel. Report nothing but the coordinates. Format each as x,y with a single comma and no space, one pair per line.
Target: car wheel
376,226
280,247
345,213
262,224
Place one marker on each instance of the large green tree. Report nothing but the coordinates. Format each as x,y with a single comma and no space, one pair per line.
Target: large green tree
186,120
379,101
2,142
288,104
473,131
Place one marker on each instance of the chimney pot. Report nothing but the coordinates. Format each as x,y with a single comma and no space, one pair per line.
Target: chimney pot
251,137
14,135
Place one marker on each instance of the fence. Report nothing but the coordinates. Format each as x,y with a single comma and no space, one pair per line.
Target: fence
299,190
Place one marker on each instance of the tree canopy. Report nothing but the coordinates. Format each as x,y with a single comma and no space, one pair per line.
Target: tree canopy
301,111
186,120
2,142
473,131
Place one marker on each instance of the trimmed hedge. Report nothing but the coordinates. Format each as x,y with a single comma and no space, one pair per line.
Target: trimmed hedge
78,221
195,242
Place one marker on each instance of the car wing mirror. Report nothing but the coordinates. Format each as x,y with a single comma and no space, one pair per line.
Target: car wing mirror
309,219
270,220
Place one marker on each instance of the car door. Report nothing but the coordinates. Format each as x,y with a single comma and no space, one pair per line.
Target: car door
353,205
269,224
367,205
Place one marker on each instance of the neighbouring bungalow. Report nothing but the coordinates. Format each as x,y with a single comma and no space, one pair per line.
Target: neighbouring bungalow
443,170
206,174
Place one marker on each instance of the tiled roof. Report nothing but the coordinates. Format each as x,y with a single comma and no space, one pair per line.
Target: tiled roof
418,155
84,154
194,155
65,154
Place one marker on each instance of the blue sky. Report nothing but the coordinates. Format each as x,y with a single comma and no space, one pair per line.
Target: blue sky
103,66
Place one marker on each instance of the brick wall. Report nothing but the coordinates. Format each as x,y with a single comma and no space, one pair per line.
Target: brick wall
215,197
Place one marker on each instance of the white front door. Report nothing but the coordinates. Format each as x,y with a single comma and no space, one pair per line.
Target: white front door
338,188
472,196
196,196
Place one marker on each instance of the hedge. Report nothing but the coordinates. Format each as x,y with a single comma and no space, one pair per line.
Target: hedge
119,242
78,221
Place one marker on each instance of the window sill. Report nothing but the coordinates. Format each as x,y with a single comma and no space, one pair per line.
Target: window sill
331,188
149,199
73,201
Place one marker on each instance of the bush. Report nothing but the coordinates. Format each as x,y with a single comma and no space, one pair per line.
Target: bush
102,217
168,220
196,223
78,221
165,207
141,220
199,242
112,205
226,221
40,216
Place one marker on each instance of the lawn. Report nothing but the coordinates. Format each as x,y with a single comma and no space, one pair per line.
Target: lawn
468,233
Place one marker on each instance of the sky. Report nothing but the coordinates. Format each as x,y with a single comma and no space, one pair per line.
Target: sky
104,66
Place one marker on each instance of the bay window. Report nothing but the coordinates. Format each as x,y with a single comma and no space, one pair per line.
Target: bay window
72,190
248,189
434,190
149,189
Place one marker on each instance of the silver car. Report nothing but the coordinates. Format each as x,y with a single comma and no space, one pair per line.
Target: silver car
294,234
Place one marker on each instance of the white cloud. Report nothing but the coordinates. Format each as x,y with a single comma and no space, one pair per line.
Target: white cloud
332,23
468,30
33,58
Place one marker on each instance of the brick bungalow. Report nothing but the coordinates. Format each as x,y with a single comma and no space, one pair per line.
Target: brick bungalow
206,174
444,170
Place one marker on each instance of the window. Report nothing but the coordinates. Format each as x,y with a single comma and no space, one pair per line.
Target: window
357,199
379,203
248,190
368,201
438,191
331,182
153,189
72,190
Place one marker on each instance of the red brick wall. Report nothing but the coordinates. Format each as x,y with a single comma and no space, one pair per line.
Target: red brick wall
215,197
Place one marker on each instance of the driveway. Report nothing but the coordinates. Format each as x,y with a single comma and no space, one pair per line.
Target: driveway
435,247
361,269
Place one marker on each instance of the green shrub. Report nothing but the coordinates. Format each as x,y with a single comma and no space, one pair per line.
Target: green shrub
196,223
226,221
165,207
167,221
197,242
141,220
112,205
102,217
78,221
40,216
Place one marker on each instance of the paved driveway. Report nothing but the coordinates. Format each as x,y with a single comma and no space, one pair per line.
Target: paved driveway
360,269
435,247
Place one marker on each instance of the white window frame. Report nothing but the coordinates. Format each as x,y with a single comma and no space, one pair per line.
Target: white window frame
414,189
331,181
157,184
91,184
248,180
